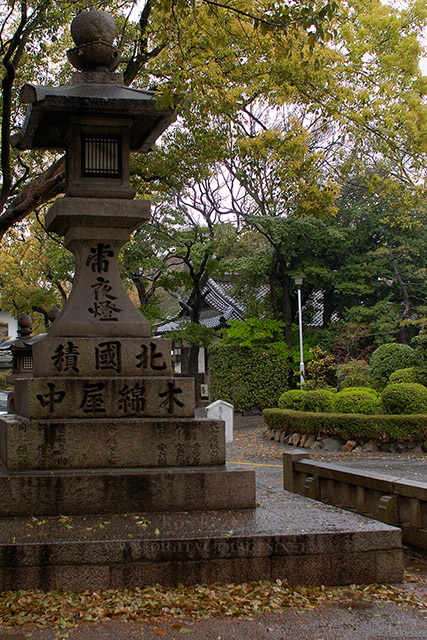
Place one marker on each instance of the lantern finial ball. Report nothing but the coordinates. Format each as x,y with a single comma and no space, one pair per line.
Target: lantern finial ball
93,26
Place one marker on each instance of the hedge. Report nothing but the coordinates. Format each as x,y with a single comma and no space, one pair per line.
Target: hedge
408,428
247,377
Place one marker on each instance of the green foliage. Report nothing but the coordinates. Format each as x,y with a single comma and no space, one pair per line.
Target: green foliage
3,375
408,374
291,399
319,368
317,400
354,373
299,400
356,389
192,333
405,398
389,358
419,343
247,377
36,271
356,401
352,341
257,332
348,426
421,374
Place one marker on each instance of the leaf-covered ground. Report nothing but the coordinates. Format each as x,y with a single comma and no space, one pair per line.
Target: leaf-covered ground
63,611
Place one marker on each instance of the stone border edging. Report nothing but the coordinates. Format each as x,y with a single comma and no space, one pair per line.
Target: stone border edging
390,499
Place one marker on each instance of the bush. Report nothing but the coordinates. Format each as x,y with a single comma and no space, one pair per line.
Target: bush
354,373
3,375
317,400
409,374
358,381
356,401
421,374
405,398
291,399
349,426
248,377
388,358
361,389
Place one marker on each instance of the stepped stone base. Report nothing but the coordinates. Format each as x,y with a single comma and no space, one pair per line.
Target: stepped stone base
104,491
113,443
287,538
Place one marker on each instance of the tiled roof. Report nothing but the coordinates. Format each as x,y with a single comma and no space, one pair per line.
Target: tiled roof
220,299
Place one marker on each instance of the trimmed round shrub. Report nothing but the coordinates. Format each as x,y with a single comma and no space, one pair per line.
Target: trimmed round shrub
389,358
409,374
356,389
317,400
292,400
357,401
405,398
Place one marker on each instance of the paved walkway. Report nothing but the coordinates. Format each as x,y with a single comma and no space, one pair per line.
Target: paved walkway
250,445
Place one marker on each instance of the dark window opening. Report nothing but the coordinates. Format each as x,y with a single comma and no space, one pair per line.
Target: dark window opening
101,157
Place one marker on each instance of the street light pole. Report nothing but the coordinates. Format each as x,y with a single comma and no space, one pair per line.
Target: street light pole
298,282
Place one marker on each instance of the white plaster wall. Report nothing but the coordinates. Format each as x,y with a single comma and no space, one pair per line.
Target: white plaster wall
201,364
12,323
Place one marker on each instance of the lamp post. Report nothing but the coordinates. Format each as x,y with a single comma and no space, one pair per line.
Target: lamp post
298,282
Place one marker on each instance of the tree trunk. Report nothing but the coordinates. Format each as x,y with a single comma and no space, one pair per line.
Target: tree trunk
406,299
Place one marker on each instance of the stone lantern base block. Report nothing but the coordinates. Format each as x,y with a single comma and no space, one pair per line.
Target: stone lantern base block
94,357
113,443
104,397
77,493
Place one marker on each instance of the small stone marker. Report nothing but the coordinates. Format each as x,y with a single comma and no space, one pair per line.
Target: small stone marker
221,410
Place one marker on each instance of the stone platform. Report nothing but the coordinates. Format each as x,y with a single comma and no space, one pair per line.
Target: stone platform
287,537
113,443
105,491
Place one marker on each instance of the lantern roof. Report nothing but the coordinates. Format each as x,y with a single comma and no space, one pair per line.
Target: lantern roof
52,109
96,92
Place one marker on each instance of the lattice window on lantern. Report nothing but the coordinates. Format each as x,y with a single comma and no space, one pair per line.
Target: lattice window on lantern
101,156
27,362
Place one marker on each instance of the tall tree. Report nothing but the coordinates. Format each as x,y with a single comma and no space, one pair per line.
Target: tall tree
183,45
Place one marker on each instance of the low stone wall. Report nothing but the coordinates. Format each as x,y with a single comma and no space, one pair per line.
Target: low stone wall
395,501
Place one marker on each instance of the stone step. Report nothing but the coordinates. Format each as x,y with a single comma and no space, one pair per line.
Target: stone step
76,492
94,444
286,538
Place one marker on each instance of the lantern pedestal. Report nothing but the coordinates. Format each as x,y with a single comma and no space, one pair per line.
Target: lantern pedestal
95,230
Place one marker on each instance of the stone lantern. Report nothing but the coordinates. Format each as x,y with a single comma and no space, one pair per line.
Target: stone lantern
102,432
21,348
98,121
